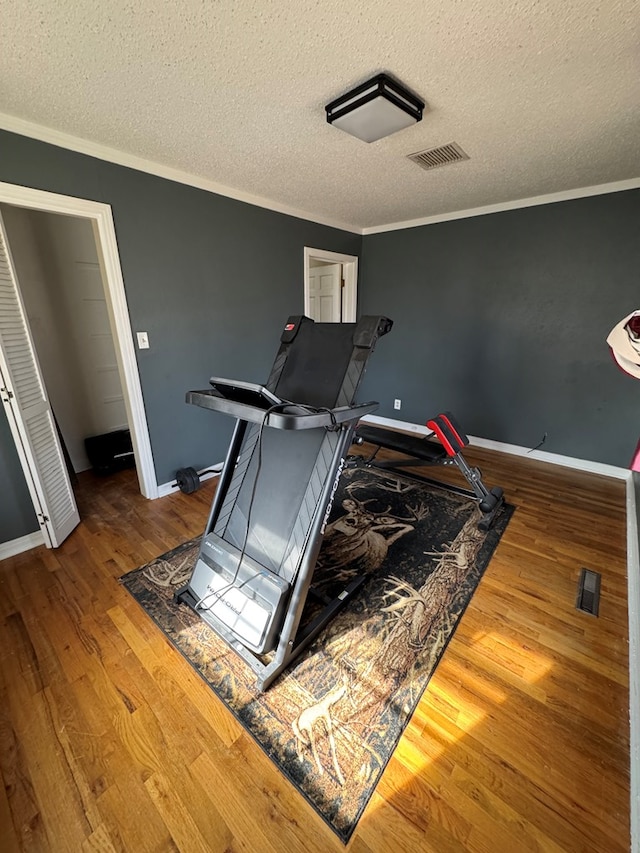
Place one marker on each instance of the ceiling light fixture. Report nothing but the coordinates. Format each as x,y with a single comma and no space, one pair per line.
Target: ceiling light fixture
375,109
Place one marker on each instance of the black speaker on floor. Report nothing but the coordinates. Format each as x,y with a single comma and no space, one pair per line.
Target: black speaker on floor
110,452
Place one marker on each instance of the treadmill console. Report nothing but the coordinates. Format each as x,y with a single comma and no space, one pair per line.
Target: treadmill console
248,393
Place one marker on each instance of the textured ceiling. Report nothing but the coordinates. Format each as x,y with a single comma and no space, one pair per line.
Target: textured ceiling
543,96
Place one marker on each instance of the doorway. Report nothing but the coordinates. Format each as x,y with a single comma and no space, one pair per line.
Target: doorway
122,397
57,269
330,286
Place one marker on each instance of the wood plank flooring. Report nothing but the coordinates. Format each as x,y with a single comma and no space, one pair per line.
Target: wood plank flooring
110,742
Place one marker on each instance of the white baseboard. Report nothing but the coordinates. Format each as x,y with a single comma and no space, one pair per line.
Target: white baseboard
553,458
24,543
171,487
514,449
392,423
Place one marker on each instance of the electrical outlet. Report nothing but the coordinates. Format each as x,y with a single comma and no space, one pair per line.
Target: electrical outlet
143,340
397,404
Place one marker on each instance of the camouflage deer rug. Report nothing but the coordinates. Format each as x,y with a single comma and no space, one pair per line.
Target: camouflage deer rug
332,721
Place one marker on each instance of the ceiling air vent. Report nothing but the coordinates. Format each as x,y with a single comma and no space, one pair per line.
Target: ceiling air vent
432,158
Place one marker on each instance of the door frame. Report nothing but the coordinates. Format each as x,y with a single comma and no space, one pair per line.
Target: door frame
101,218
350,273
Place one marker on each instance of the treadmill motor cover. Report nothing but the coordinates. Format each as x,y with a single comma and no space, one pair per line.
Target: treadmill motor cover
247,600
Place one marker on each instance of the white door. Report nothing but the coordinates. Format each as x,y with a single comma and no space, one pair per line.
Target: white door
25,401
85,292
325,293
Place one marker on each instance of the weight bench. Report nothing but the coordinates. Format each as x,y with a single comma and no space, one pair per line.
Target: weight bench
424,451
274,496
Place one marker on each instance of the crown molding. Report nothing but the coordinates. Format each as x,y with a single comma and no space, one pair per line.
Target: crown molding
549,198
112,155
33,130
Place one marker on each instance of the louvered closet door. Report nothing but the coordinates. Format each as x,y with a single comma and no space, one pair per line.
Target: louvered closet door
25,401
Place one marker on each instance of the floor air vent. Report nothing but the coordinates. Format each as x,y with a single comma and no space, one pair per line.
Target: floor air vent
588,592
432,158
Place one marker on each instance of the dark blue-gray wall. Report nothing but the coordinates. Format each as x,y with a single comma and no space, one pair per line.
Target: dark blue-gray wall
212,280
503,320
17,515
500,318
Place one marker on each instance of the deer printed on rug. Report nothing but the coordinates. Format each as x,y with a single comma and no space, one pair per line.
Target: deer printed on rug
332,721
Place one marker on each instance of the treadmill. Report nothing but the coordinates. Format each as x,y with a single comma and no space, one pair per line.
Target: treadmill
259,549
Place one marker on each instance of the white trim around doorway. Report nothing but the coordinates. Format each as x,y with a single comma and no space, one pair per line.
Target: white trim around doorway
102,220
350,273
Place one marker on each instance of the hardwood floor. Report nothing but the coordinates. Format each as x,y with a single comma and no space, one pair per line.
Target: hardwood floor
109,740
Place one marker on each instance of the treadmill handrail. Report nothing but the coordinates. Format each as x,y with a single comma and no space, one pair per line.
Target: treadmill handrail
209,399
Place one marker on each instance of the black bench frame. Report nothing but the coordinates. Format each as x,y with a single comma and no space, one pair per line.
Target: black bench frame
423,450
